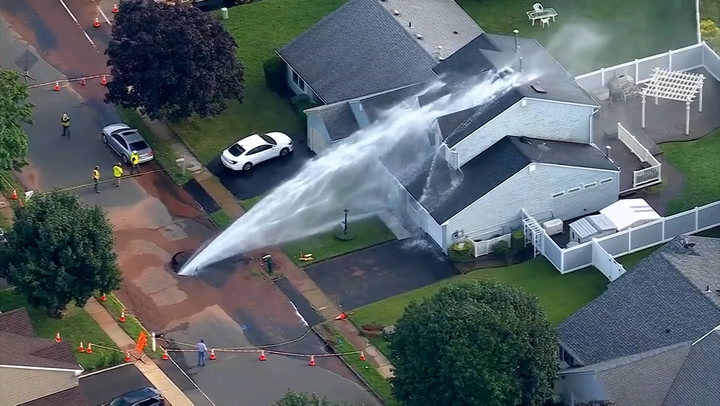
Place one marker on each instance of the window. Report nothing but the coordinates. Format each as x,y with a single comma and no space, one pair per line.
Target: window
604,181
567,358
590,185
236,150
270,140
558,194
298,81
120,141
573,190
138,146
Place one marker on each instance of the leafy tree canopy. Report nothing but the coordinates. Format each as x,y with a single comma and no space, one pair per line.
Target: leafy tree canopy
59,250
306,399
15,110
482,343
172,62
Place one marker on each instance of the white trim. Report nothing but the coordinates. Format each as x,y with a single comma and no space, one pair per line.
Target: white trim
574,190
616,171
306,83
594,106
103,370
717,328
74,371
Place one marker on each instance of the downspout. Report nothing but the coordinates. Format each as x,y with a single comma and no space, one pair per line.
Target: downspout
592,116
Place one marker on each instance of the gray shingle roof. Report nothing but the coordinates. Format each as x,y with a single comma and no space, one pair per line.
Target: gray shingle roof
68,397
446,191
374,106
357,50
694,383
339,120
654,305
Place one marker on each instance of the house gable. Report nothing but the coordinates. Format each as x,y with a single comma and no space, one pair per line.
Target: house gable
19,385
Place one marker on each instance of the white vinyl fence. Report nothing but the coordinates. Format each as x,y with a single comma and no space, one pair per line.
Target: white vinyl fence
683,59
625,242
485,247
642,177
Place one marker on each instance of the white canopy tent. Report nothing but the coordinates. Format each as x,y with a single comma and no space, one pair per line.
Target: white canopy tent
674,85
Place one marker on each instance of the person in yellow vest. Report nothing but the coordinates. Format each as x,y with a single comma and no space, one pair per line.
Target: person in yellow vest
65,121
117,173
135,161
96,178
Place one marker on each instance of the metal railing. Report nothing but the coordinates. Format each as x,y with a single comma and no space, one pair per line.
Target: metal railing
641,177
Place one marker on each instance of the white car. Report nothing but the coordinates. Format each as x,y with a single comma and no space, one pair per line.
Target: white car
252,150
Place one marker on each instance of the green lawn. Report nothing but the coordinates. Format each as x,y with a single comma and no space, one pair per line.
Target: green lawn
699,163
131,326
630,260
589,35
259,28
221,219
368,232
75,327
247,204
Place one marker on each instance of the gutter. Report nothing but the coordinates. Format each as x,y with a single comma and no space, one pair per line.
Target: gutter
74,371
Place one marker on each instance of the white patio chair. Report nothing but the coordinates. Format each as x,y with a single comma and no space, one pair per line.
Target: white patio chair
545,21
538,7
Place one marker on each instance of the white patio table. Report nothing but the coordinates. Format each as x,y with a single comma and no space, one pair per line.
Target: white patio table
534,15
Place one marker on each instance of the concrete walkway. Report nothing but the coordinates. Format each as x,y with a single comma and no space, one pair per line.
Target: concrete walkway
294,274
147,366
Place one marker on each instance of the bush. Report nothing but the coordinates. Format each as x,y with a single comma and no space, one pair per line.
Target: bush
501,249
461,251
517,239
276,76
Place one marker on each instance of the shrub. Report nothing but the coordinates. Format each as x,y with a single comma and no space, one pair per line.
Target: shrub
461,251
501,249
517,239
276,76
301,103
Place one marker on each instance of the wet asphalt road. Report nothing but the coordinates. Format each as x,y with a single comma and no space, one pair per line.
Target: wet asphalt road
102,387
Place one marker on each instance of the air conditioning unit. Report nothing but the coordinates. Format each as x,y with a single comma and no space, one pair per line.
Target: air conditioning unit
554,226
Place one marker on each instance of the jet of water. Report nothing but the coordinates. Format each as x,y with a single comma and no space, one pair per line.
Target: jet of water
348,175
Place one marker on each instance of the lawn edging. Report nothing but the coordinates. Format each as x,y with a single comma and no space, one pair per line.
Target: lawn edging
132,325
363,370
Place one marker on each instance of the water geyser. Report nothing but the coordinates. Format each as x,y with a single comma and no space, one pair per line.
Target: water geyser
347,175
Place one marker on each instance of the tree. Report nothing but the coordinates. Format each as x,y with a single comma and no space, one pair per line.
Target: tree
305,399
172,62
59,250
14,111
482,343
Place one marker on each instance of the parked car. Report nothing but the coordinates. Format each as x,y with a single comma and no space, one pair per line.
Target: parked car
139,397
124,140
252,150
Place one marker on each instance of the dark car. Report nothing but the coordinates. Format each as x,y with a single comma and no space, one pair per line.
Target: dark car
139,397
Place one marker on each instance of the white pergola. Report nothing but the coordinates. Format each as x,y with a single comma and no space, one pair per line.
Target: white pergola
674,85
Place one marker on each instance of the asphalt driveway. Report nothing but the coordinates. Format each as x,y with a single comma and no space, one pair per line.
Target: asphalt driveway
265,176
101,387
386,270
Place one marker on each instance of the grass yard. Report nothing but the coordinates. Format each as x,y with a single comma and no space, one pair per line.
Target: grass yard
368,232
248,204
75,327
589,35
259,28
699,163
161,149
221,219
560,295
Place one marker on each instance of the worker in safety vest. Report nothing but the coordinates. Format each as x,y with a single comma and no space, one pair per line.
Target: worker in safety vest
65,121
135,161
96,178
117,173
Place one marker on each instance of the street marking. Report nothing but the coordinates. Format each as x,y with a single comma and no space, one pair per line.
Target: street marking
78,24
107,20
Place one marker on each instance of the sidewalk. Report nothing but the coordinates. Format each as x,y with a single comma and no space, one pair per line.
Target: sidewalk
147,366
294,274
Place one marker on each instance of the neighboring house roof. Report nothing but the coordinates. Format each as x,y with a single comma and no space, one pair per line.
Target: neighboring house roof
20,347
339,120
376,105
357,50
69,397
660,302
691,383
445,191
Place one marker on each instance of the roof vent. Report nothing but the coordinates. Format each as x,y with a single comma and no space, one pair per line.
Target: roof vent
525,140
396,12
537,87
455,32
418,36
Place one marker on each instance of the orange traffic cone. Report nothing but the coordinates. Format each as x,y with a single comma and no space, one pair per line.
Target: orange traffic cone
103,80
122,317
115,9
103,298
81,348
212,355
341,316
165,355
127,356
14,194
96,23
362,356
57,87
262,356
312,361
57,337
89,349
